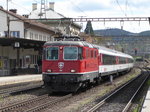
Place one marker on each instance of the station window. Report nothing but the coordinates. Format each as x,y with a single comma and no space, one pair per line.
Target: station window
13,34
40,37
31,35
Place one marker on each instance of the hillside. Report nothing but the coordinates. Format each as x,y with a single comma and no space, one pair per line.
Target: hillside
119,32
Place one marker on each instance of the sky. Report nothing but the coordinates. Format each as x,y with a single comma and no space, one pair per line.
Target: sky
93,9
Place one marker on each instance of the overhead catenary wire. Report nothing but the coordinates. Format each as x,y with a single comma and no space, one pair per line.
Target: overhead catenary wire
20,6
121,8
81,10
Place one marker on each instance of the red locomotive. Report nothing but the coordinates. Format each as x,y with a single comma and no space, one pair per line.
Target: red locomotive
69,65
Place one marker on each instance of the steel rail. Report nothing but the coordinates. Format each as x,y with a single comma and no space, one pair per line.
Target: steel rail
94,108
113,93
7,92
22,103
45,105
129,103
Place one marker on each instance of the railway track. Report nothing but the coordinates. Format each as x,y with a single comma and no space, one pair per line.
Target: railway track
120,99
48,104
34,104
8,91
20,104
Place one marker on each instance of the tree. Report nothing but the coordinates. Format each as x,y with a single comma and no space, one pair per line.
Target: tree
89,28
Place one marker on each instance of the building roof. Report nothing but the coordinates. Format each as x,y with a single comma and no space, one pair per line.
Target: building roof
31,22
51,16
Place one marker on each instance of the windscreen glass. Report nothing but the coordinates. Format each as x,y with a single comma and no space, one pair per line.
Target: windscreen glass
70,53
52,53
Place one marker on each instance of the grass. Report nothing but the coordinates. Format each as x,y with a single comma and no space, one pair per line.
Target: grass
148,82
138,107
1,98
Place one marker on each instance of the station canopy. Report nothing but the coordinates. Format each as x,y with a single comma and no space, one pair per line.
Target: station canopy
21,43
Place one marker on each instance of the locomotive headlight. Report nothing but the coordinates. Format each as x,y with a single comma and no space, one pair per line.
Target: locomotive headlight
73,71
49,70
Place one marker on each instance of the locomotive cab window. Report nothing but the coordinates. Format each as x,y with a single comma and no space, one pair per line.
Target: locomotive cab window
52,53
70,53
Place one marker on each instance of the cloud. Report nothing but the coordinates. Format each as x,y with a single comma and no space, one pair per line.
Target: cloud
90,6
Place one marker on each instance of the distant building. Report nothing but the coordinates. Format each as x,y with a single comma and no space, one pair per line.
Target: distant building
133,45
55,20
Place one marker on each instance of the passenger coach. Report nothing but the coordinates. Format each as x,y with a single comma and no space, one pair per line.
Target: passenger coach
69,65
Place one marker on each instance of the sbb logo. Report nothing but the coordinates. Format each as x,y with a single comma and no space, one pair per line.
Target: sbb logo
61,65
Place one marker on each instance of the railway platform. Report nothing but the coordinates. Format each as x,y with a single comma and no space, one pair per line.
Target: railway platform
9,80
146,105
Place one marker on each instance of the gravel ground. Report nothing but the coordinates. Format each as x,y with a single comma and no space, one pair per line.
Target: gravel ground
78,103
119,100
83,101
137,103
15,98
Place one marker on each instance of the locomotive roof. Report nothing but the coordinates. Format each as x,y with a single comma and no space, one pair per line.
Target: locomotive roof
61,43
101,49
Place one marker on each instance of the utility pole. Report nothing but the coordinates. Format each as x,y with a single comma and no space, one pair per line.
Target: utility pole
82,22
43,9
8,21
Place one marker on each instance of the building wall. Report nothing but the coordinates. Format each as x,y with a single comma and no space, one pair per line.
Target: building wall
34,34
66,28
6,52
14,25
28,58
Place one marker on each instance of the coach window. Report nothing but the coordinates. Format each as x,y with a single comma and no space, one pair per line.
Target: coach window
106,59
109,60
70,53
122,60
52,53
130,60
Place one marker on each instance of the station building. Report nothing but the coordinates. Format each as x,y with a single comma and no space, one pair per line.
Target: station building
21,42
47,15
